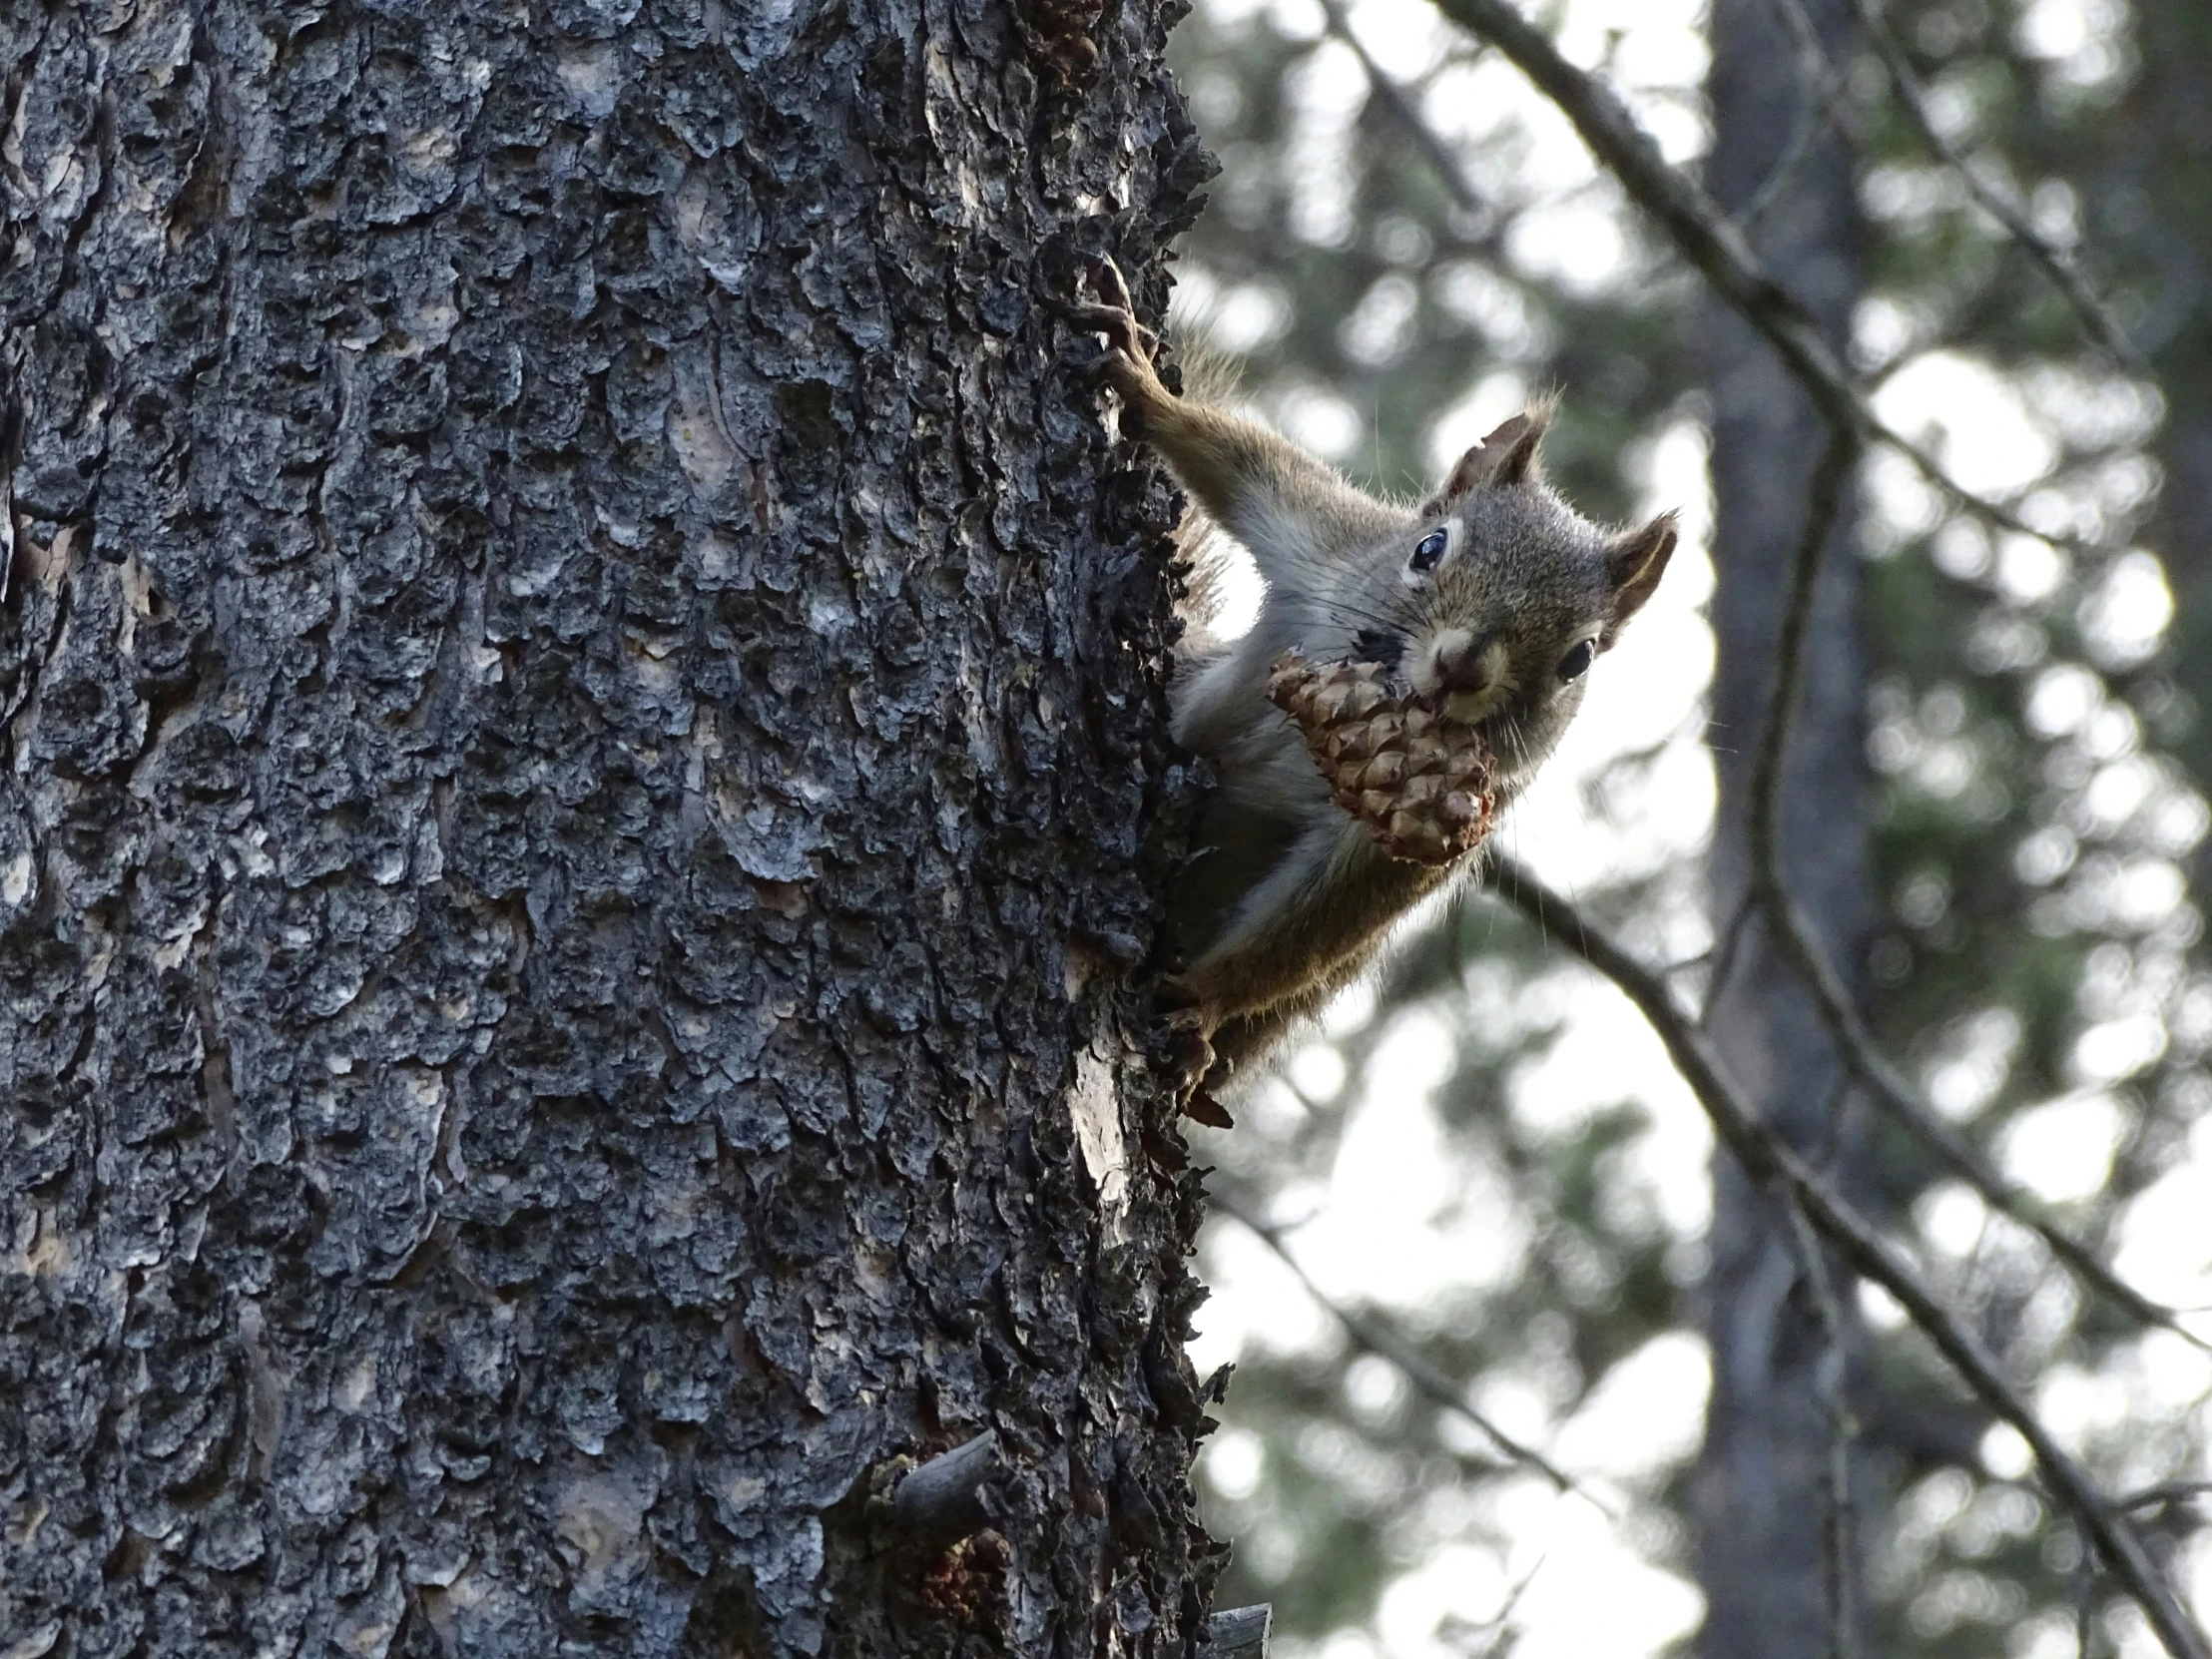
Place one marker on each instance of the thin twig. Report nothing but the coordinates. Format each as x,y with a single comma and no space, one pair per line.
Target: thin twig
1840,1552
1793,929
1824,86
1387,1345
1717,249
1725,957
2084,1589
1772,1164
2165,1492
1449,171
1703,234
2051,261
1505,1639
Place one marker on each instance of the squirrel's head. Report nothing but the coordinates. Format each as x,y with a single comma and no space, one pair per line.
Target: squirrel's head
1503,596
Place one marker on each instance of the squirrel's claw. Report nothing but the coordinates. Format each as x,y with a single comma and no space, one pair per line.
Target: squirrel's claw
1207,1110
1187,1059
1124,334
1114,300
1107,278
1113,314
1126,368
1184,1053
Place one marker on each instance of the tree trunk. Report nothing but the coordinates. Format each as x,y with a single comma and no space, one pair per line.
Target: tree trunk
1760,1493
2150,217
584,779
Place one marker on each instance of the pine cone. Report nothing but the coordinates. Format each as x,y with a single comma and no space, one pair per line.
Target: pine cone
1419,782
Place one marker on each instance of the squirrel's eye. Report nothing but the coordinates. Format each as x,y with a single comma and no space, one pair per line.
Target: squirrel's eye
1428,550
1572,665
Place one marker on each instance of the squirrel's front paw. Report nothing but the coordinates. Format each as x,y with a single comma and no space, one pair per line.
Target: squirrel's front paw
1114,314
1130,345
1181,1048
1183,1051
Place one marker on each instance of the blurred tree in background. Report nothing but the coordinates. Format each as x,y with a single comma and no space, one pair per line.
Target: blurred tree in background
1487,1159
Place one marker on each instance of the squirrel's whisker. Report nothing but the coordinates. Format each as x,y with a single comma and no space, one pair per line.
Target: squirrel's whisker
1290,891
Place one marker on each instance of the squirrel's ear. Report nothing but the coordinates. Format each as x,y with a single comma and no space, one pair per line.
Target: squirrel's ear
1507,456
1634,562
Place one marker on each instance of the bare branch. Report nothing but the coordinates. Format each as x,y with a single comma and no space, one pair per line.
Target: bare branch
1794,933
1702,233
1717,249
1823,86
2051,261
1774,1165
1384,1344
1725,957
2166,1493
1449,171
1841,1566
1500,1637
1823,507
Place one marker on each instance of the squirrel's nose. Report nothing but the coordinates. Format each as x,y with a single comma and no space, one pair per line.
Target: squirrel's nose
1470,665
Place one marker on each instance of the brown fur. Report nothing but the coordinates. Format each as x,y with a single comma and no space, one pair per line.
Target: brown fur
1285,898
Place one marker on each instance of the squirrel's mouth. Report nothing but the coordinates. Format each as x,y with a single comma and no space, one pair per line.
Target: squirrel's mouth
1472,676
1479,708
1500,722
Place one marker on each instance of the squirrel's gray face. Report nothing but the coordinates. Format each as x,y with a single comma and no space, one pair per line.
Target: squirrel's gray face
1500,596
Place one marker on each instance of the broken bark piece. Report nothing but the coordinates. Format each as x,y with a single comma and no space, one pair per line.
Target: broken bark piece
1241,1632
947,1499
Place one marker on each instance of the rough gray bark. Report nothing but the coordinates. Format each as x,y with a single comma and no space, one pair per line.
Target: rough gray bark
584,783
1759,1490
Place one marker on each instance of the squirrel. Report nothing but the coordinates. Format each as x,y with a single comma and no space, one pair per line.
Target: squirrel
1493,595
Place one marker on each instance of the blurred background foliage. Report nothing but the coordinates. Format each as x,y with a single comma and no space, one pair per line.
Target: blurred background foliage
1483,1154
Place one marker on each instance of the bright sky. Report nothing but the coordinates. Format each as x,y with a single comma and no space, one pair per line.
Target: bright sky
1391,1224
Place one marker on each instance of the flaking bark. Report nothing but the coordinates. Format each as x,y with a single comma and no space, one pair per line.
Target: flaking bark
585,789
